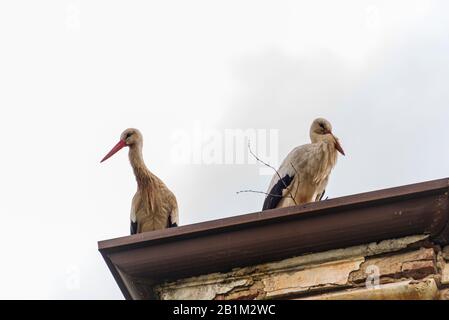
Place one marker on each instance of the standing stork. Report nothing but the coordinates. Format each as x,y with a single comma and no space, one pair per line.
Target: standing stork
153,206
304,173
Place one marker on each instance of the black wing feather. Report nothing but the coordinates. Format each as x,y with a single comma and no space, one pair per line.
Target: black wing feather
133,227
275,194
171,224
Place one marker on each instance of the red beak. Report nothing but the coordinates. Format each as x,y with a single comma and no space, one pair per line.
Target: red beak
114,150
338,146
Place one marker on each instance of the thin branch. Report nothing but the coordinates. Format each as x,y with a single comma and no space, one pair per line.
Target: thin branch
296,171
267,164
297,174
255,191
277,173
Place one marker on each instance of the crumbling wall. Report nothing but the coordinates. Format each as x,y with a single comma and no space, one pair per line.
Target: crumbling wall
405,268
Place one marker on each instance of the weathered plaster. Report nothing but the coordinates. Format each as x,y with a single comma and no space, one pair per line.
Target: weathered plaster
404,290
335,269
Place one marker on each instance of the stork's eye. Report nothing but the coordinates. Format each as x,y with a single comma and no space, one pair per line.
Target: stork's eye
322,125
129,134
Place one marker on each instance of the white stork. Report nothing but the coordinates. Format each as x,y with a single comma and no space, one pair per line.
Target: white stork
304,173
153,206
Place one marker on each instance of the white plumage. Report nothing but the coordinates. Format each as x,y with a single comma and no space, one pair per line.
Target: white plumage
154,206
304,173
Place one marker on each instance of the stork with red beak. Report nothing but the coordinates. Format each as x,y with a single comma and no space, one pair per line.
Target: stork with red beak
153,206
304,173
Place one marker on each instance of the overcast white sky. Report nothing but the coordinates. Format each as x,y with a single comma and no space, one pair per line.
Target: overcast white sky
75,74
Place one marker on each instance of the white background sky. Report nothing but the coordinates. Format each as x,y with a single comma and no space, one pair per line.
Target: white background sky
75,74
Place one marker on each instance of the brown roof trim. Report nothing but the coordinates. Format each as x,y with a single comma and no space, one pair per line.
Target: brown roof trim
223,244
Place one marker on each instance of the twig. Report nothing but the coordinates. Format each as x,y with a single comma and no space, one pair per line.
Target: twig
268,165
297,175
255,191
277,173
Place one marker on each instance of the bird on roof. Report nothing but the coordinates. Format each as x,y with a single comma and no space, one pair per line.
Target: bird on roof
153,206
304,173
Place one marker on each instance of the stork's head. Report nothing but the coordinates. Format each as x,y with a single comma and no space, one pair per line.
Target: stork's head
320,130
129,138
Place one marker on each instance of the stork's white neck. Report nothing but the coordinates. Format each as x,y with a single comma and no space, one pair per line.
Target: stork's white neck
317,138
328,145
143,175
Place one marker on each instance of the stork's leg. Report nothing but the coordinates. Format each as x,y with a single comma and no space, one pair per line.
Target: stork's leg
320,196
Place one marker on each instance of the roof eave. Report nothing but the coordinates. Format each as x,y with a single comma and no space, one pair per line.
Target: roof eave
220,245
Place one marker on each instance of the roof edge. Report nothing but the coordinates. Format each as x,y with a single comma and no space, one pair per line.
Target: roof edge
273,235
340,203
